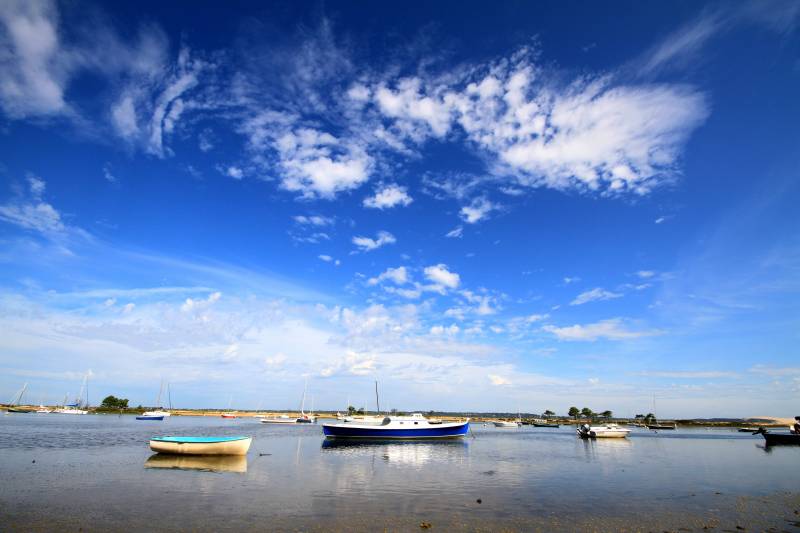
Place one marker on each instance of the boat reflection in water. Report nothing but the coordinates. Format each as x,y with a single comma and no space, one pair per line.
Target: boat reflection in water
416,452
207,463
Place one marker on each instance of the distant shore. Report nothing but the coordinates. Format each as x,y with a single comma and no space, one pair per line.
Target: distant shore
765,421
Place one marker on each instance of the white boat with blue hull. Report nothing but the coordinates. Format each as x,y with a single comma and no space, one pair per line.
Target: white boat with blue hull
415,426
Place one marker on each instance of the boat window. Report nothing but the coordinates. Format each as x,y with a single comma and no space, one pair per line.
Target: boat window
415,423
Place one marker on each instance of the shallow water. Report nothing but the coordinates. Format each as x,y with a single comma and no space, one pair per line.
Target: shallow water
97,472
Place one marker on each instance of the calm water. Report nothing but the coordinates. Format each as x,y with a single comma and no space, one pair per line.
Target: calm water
97,473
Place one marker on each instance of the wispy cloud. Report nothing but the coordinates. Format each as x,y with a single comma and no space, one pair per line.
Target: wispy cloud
367,244
612,329
688,374
593,295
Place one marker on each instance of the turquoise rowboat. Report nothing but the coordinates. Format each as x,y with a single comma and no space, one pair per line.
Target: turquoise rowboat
201,445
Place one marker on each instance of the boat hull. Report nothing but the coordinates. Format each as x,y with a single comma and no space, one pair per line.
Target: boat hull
437,431
507,425
142,417
774,439
655,426
545,425
18,410
201,445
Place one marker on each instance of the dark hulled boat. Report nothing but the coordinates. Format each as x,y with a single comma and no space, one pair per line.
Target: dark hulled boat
774,439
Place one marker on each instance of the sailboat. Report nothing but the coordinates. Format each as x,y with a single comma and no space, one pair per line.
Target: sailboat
412,427
14,407
75,407
159,413
286,419
229,414
658,425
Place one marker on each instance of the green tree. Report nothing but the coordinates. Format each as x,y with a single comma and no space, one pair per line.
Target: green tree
586,412
351,410
606,414
112,402
360,411
649,418
548,413
574,412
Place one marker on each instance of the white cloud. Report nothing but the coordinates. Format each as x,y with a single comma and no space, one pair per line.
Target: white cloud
34,71
409,106
714,374
388,196
111,178
318,165
329,259
498,381
611,329
452,329
398,276
313,220
440,275
367,244
568,280
29,211
123,117
593,295
234,172
645,274
477,210
683,43
455,233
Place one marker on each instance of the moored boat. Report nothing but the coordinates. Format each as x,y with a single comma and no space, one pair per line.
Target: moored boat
777,439
150,416
228,415
505,424
662,426
539,423
607,431
415,426
201,445
16,403
159,413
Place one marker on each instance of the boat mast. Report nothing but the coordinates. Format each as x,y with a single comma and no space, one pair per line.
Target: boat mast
18,398
169,397
158,398
303,401
377,399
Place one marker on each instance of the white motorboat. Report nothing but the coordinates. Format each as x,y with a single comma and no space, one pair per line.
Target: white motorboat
607,431
70,411
283,419
506,424
43,410
78,407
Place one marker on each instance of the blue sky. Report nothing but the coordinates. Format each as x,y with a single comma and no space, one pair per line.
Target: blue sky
534,206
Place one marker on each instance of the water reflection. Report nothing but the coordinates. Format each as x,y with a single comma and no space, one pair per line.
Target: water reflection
207,463
416,453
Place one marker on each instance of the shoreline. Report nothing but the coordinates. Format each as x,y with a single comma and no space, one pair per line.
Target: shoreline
765,421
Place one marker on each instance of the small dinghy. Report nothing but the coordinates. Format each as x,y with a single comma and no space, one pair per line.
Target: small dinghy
201,445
